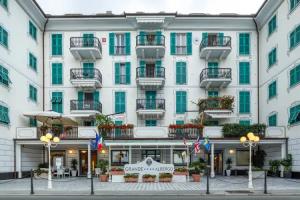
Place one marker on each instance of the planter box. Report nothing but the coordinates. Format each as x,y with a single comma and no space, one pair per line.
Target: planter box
117,178
196,177
131,180
149,180
42,175
165,180
117,173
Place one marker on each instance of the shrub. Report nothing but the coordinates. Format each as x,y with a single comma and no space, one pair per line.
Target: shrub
259,159
238,130
149,176
165,175
131,176
181,169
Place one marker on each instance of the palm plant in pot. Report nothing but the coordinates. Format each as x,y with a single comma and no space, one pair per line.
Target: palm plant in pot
287,165
197,169
228,167
102,164
74,163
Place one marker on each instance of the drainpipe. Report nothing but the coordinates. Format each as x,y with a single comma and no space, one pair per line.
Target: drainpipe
44,30
257,50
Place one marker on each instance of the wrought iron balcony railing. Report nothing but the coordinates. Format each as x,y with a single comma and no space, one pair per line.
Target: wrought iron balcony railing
150,40
85,105
150,104
89,73
217,41
215,73
85,42
157,72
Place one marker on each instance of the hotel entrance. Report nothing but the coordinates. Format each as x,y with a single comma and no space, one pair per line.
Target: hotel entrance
83,161
218,162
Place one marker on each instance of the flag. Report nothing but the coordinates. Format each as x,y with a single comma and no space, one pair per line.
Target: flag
197,146
206,144
184,141
98,142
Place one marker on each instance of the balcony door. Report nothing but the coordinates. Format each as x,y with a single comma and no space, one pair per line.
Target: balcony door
88,70
87,100
150,99
150,70
213,69
88,40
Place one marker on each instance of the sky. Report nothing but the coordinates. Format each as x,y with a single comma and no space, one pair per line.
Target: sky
59,7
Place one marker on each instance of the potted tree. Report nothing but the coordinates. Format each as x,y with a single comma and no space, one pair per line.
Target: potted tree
74,163
131,178
228,168
274,167
197,169
149,178
102,164
165,177
287,164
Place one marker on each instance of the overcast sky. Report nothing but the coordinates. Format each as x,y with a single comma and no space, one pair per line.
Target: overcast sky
119,6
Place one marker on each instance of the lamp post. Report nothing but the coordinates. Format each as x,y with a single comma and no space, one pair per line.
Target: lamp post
250,141
49,141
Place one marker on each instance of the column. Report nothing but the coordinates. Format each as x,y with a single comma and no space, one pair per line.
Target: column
283,156
18,160
130,155
89,161
171,155
109,162
212,160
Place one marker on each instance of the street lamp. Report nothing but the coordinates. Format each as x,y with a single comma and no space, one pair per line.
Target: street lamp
250,141
49,141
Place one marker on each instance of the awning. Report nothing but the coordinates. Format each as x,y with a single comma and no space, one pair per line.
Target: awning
51,117
80,115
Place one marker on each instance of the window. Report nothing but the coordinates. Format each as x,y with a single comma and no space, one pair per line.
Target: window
242,158
180,73
4,77
88,70
244,42
295,37
4,115
154,154
32,93
213,70
272,120
212,94
119,43
32,30
122,73
120,102
295,76
56,44
57,76
181,43
57,102
294,115
272,89
119,157
3,3
32,122
294,4
3,37
180,157
150,122
244,122
244,106
32,61
244,72
179,122
181,100
272,24
272,57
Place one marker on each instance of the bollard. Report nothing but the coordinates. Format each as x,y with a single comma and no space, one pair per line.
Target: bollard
31,182
207,180
265,185
92,185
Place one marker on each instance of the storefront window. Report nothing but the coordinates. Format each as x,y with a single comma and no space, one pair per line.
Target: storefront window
154,154
242,158
119,157
180,157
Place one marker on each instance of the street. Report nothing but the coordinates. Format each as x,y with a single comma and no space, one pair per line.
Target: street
149,197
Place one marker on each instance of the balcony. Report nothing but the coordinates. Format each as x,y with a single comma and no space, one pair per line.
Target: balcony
86,78
150,108
117,132
86,48
217,107
85,107
215,47
150,79
215,78
150,46
187,131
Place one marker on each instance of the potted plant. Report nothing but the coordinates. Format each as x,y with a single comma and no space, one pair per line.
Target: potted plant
258,163
274,167
165,177
74,163
102,164
117,171
104,124
149,178
42,171
228,168
197,169
287,164
181,171
180,175
131,178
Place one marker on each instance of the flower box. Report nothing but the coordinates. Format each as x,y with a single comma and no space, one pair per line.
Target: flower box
131,178
148,178
165,177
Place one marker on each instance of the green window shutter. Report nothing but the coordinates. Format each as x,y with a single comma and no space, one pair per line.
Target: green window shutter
294,114
120,102
295,76
88,39
179,122
244,104
173,43
32,93
181,102
189,43
295,37
80,96
220,39
272,89
244,43
158,38
128,74
180,73
205,39
88,70
150,122
3,3
244,72
158,70
213,69
272,56
111,44
213,94
244,122
142,37
57,102
4,76
117,73
56,44
3,37
142,68
32,30
272,120
96,96
32,122
4,115
57,73
32,61
127,42
272,24
118,131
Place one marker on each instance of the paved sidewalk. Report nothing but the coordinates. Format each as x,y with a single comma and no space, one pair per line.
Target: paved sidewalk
218,185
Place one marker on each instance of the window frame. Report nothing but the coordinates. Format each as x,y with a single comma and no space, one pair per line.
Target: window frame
32,61
239,46
272,56
272,29
240,112
249,75
271,89
32,27
297,82
33,93
62,45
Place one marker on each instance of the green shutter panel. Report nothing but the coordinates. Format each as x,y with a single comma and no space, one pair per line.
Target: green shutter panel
127,40
173,43
220,39
88,40
88,70
118,131
80,100
111,43
59,44
117,102
158,38
127,69
205,39
183,73
158,69
53,44
142,68
189,43
117,73
184,103
142,37
96,96
178,75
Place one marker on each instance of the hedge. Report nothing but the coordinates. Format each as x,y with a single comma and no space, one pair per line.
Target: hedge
238,130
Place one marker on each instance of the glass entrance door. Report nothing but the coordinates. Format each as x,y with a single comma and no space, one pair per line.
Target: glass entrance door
83,161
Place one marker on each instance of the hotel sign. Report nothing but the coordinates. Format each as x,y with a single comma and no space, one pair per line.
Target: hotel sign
149,166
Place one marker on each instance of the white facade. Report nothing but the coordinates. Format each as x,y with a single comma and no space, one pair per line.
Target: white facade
15,59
